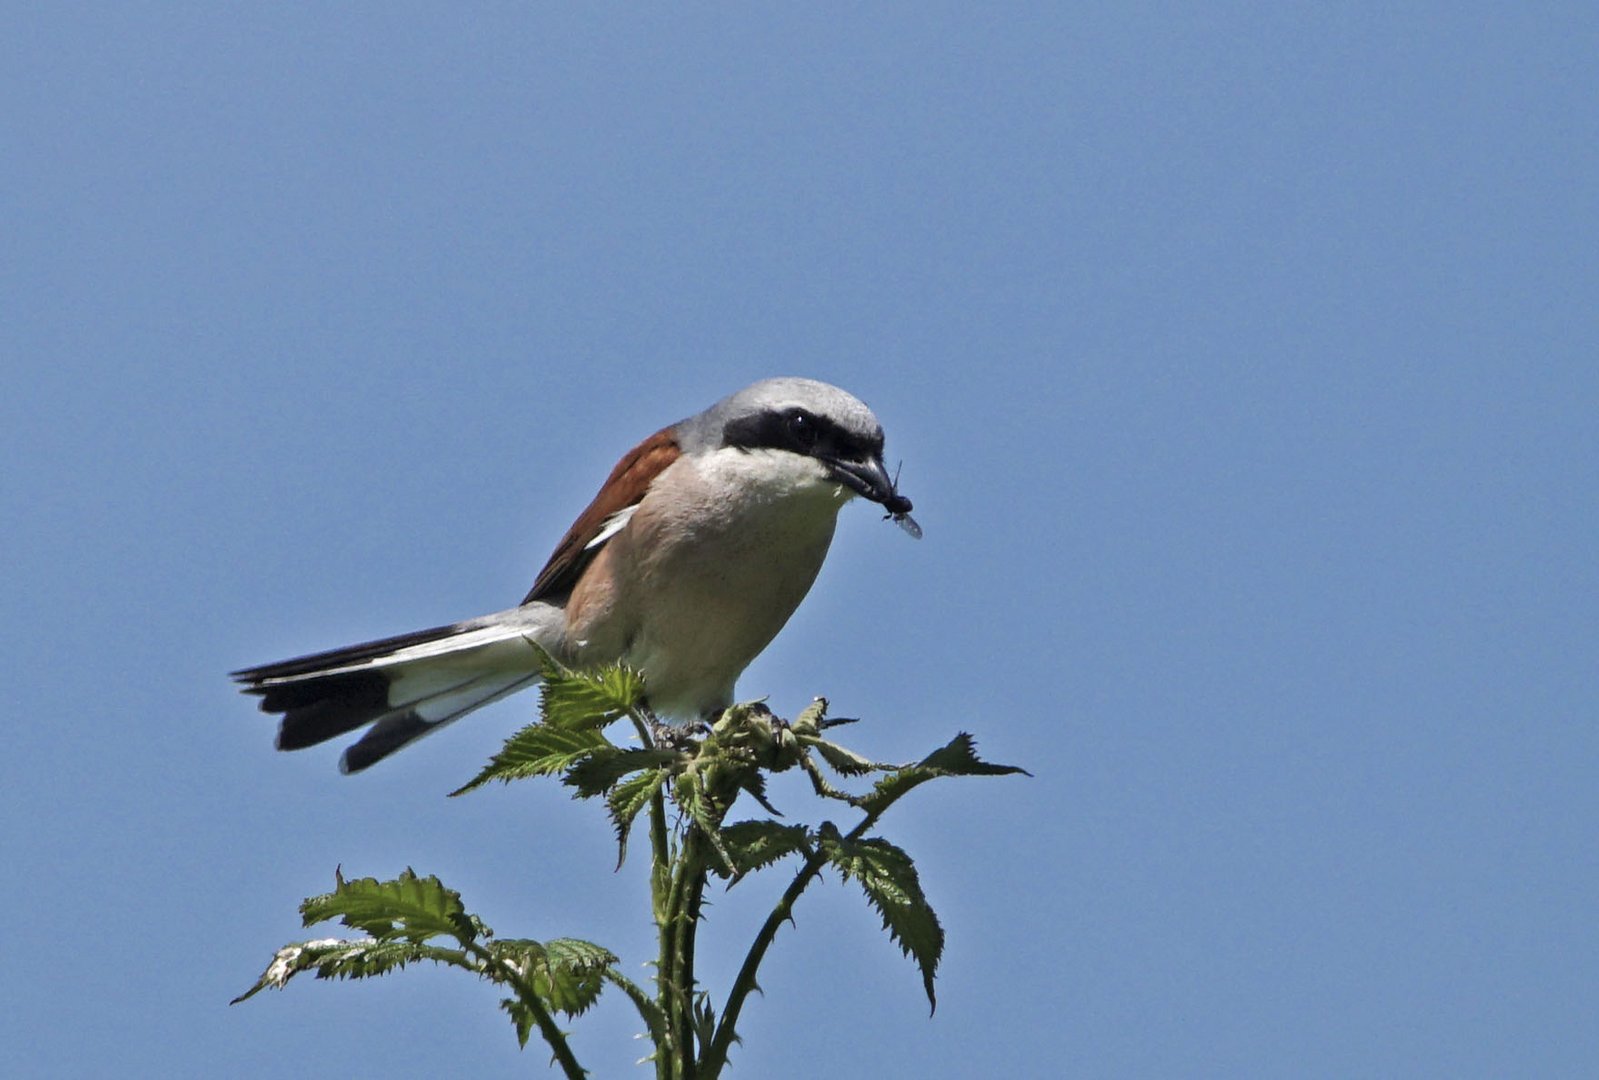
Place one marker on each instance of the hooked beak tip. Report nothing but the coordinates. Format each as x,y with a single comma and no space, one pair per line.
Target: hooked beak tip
871,480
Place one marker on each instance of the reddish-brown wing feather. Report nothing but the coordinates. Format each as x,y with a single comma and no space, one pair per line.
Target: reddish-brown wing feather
625,486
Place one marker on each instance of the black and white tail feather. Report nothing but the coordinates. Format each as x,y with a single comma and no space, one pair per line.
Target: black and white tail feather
406,686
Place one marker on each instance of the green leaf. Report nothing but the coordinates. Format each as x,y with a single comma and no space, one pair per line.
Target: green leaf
625,801
957,758
588,699
576,972
537,750
567,974
844,760
522,955
740,716
889,879
695,801
408,907
521,1016
333,958
755,844
704,1018
809,721
600,771
753,781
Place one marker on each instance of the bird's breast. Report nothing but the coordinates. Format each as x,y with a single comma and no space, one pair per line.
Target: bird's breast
705,574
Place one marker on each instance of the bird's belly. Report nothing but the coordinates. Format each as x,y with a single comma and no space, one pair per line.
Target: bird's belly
714,604
696,643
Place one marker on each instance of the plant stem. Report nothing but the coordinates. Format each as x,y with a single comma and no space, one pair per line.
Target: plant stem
689,932
688,887
715,1056
666,1058
667,1065
676,993
541,1016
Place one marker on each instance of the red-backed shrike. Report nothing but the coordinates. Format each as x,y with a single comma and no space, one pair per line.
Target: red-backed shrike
698,548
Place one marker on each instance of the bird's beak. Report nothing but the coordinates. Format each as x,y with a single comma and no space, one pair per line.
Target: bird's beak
870,479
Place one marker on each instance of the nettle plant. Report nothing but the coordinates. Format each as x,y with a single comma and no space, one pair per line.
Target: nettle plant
687,781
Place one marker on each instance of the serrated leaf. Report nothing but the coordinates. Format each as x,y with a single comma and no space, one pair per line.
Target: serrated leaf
575,954
890,882
956,758
587,699
407,907
290,961
522,955
843,760
624,802
537,750
521,1016
363,959
601,770
893,786
959,758
334,958
754,783
755,844
704,1018
567,974
739,715
691,796
809,721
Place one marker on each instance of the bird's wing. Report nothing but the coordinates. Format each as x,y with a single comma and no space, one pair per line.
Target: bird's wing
605,516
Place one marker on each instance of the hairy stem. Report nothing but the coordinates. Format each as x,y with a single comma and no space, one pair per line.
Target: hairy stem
667,1064
688,889
715,1056
678,992
530,998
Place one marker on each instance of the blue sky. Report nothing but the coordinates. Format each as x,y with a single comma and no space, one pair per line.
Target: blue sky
1242,359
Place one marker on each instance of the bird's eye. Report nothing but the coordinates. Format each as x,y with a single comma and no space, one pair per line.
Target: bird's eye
802,429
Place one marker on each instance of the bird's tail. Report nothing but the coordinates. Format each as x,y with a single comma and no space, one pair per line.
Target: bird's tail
406,686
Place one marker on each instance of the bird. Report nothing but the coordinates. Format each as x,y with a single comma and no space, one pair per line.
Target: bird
699,546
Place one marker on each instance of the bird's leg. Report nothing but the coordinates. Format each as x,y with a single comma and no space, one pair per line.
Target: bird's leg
670,736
